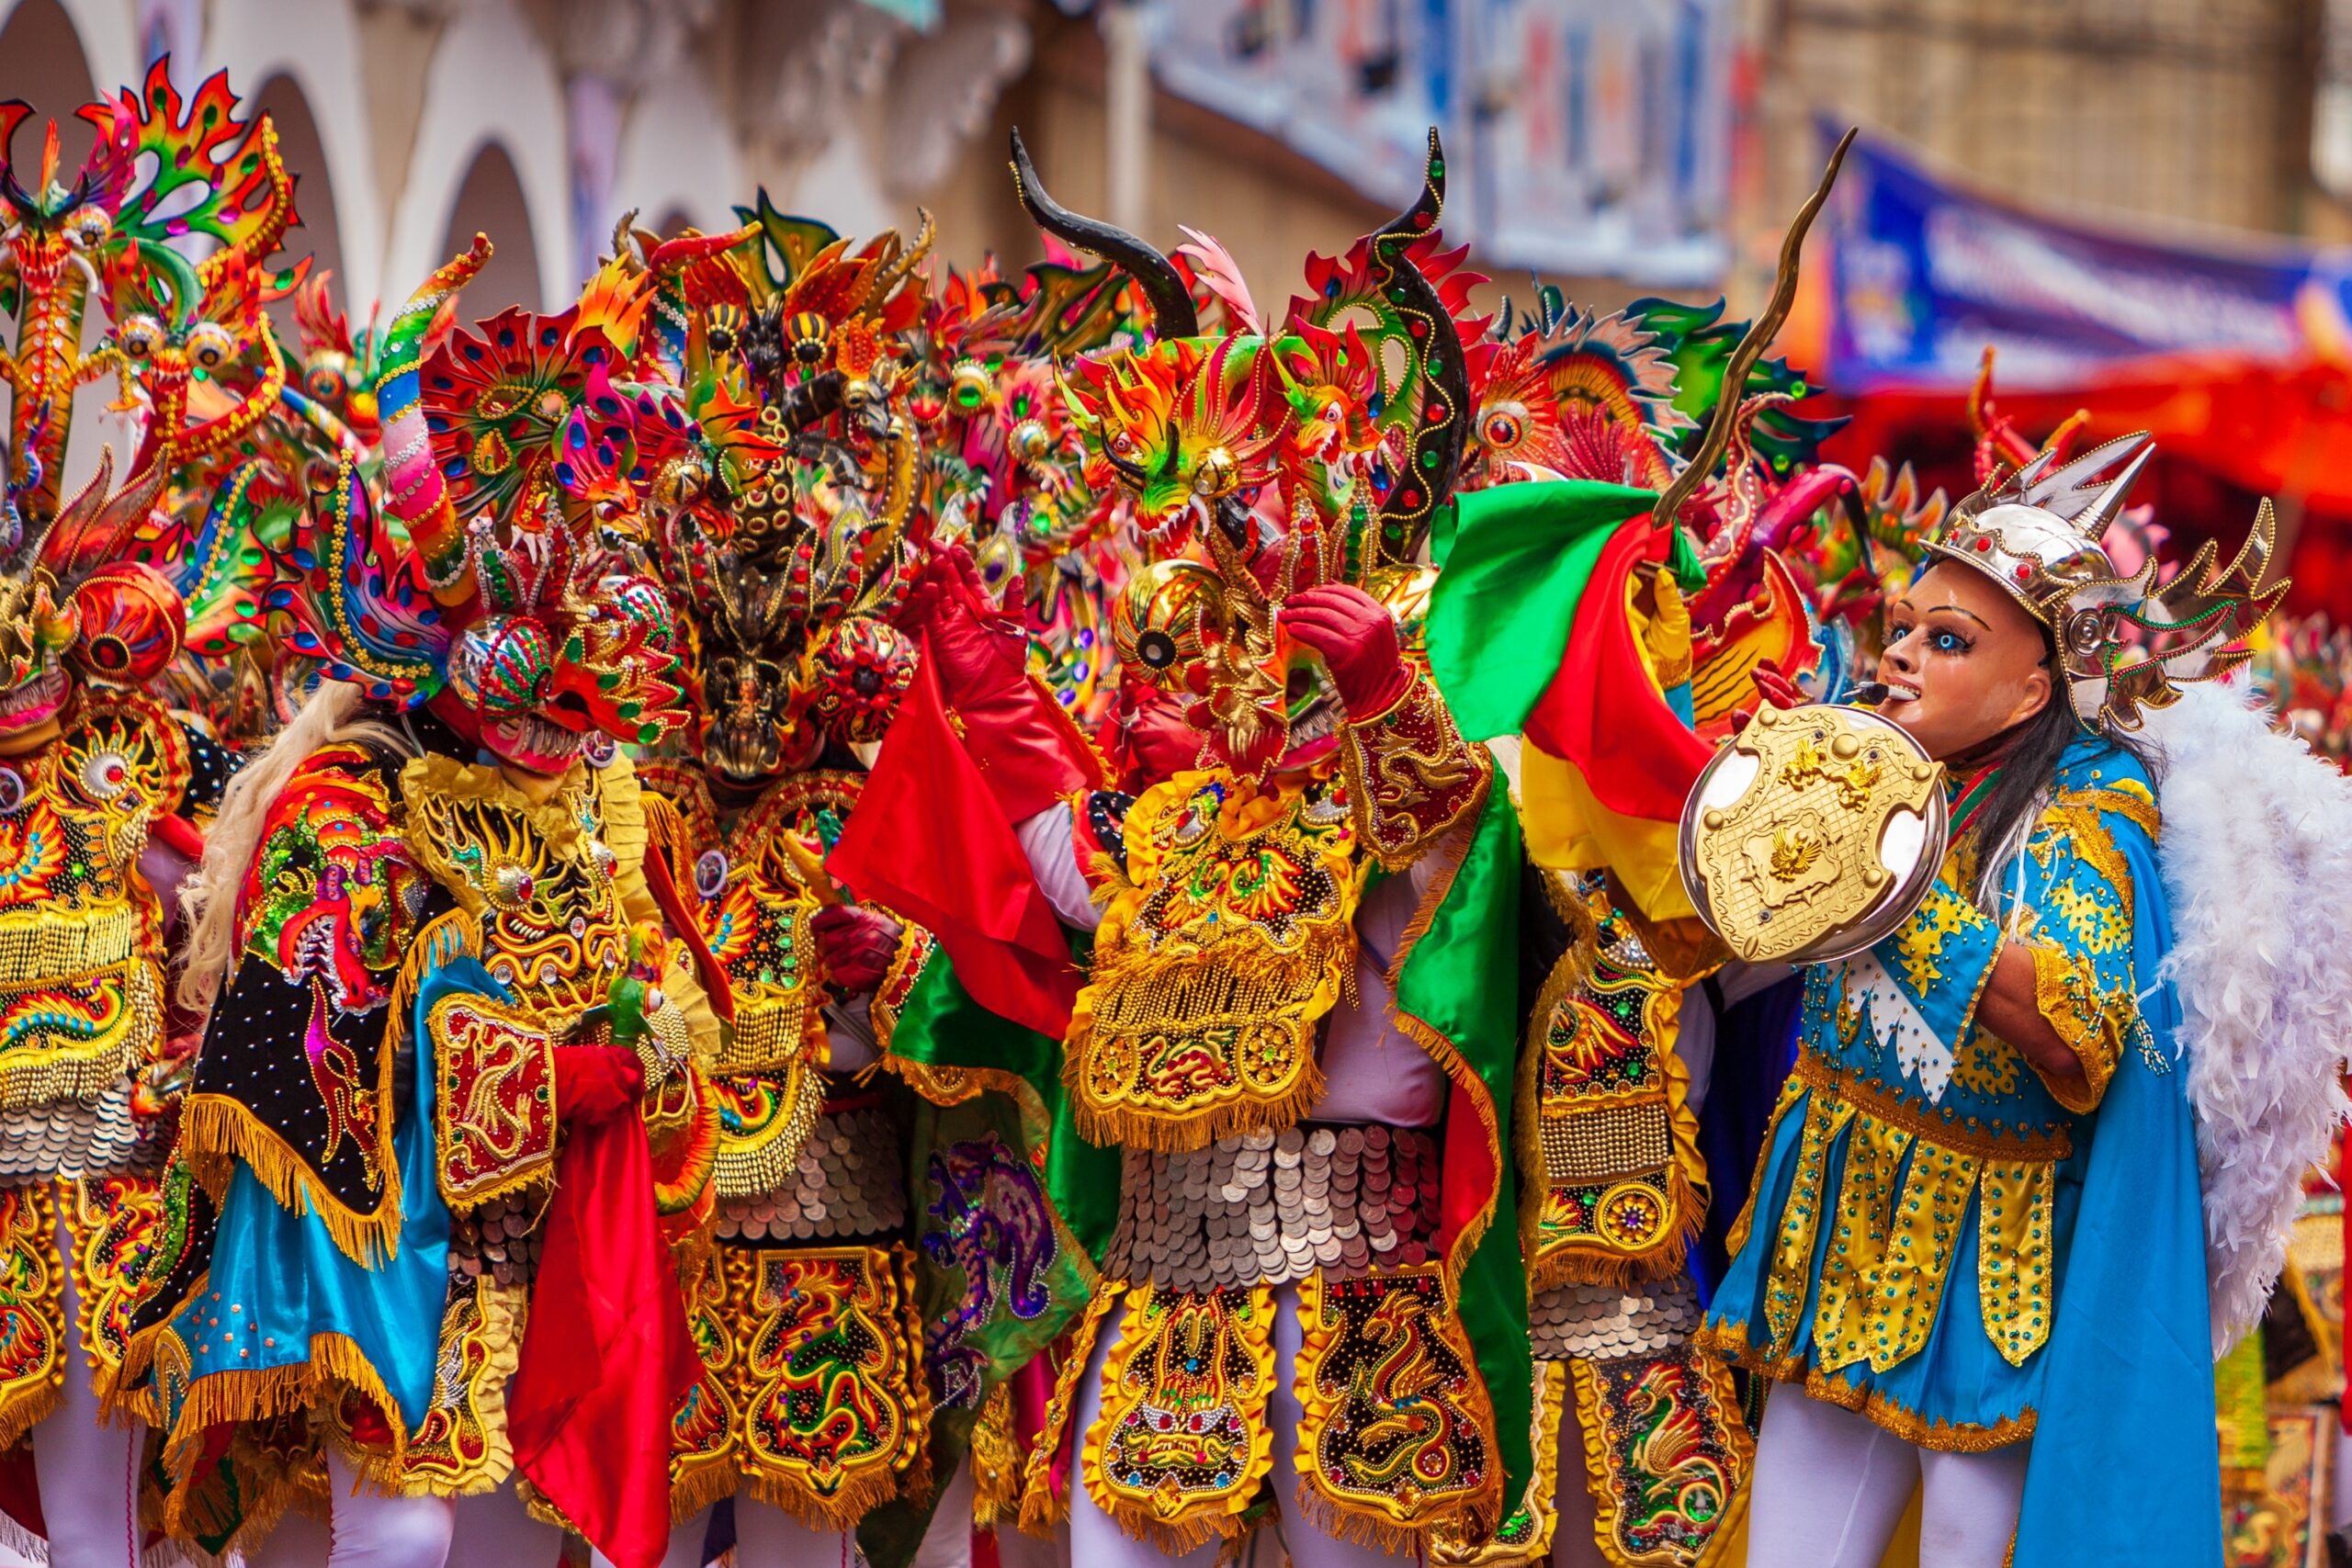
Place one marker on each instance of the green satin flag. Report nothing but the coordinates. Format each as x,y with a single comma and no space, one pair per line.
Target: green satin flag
983,1199
1515,563
1460,982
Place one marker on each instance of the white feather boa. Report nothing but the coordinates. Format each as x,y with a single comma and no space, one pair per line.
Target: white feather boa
2255,851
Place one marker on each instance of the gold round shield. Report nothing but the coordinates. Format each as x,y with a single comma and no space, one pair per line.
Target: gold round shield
1815,833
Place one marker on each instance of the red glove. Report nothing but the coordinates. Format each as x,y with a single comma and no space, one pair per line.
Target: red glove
1357,638
975,646
856,945
596,1083
1028,754
1776,688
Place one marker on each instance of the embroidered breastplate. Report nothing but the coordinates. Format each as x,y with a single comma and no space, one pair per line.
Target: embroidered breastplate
539,878
752,903
1213,967
81,940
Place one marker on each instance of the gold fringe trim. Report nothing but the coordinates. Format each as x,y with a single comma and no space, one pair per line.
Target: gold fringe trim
43,944
216,1130
33,1405
1042,1509
1576,1263
750,1168
1729,1342
702,1487
1166,1133
240,1395
857,1498
914,1466
1966,1135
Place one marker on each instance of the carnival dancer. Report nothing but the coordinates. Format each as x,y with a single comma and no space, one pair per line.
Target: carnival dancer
96,787
447,1014
1974,1248
97,781
1580,418
783,548
1289,1020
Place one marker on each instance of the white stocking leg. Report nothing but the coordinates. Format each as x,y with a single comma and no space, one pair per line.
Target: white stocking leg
1831,1486
947,1543
1968,1506
686,1548
88,1472
1095,1539
1572,1545
495,1531
371,1531
770,1538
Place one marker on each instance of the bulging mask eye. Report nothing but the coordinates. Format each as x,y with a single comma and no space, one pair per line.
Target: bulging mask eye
209,346
1502,429
140,336
87,228
972,388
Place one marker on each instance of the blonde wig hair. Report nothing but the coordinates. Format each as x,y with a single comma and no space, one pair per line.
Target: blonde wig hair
336,711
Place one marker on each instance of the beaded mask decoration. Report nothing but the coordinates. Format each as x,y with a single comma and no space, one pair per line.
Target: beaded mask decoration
523,607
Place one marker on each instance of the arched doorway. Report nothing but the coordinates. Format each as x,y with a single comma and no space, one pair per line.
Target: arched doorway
489,201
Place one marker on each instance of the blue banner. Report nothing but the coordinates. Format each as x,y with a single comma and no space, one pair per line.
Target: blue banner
1926,274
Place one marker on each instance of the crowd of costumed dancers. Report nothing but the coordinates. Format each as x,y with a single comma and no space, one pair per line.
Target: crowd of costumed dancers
824,904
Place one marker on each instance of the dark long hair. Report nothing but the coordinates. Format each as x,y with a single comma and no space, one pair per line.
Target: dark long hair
2028,764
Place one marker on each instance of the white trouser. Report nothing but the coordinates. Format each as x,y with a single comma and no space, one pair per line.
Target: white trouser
493,1530
87,1471
770,1538
1096,1540
1831,1486
1572,1545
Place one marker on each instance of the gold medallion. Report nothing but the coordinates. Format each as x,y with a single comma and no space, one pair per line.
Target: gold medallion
1816,833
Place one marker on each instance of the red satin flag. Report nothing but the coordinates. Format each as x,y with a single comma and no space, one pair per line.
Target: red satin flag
929,841
606,1353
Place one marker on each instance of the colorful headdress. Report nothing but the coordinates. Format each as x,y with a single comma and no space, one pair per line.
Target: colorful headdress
2123,642
162,169
785,482
516,605
1315,453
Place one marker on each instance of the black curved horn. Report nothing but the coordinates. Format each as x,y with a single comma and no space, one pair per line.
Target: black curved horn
1171,303
1441,425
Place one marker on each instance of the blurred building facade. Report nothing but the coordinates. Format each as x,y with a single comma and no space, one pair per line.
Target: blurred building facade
2182,112
1619,146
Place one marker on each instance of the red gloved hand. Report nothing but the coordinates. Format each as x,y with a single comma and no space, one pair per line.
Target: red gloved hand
596,1083
856,945
1025,752
1776,688
1155,737
976,648
1357,638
